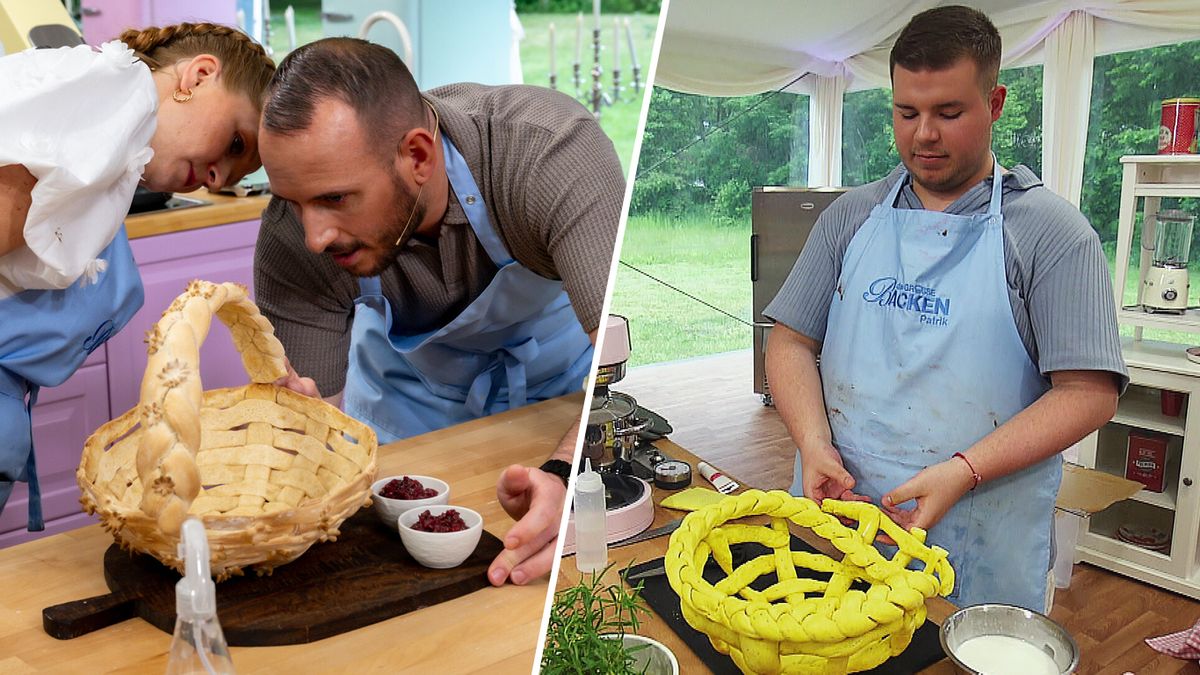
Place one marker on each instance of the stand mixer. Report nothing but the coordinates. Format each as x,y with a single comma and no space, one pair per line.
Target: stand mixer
612,438
1165,284
611,441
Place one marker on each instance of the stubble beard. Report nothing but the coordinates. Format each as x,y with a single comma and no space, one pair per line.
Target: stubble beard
405,210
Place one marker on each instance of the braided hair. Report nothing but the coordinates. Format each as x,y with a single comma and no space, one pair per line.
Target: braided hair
246,68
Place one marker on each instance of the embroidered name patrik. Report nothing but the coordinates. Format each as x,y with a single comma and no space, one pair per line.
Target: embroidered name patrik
933,309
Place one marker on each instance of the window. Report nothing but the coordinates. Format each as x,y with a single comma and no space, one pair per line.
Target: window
1017,135
689,222
869,148
1127,94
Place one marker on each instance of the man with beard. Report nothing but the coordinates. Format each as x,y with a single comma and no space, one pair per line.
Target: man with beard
964,320
432,258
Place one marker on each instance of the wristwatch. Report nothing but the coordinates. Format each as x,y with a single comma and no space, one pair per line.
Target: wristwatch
559,468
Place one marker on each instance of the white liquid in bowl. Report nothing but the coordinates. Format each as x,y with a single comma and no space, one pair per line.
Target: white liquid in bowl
1003,655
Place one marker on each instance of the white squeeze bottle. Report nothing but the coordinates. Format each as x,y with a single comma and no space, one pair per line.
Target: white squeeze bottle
591,545
198,645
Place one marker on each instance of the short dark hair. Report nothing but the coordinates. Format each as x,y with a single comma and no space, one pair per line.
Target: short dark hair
368,77
937,38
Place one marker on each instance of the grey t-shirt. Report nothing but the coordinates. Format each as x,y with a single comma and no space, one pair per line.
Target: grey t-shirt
1058,279
553,188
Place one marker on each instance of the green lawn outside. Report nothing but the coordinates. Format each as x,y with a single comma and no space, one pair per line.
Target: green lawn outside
619,121
713,263
709,261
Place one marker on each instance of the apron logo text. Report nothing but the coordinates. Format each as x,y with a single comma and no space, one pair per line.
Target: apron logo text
888,292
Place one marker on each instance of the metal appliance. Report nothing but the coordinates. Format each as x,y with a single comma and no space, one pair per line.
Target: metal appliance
1165,284
614,436
147,201
36,23
781,220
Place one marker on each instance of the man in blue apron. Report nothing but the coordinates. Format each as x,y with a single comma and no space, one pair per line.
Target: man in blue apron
964,320
436,257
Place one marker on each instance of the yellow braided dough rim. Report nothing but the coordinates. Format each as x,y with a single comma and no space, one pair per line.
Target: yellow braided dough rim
143,500
840,631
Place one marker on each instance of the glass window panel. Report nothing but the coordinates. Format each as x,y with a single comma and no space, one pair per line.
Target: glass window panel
1126,107
689,223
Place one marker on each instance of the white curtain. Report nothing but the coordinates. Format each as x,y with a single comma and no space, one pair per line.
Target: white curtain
721,48
1066,84
825,132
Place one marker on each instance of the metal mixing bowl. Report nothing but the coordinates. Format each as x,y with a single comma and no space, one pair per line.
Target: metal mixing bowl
1034,628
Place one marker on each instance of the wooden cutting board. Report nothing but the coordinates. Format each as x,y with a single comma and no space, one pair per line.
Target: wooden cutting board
364,577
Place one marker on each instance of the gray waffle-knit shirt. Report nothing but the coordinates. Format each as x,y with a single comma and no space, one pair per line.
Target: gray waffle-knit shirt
1058,279
553,187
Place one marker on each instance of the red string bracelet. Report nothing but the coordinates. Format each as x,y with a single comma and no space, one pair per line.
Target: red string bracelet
974,473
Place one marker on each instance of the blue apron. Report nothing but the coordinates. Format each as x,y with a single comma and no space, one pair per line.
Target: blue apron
45,336
921,359
518,342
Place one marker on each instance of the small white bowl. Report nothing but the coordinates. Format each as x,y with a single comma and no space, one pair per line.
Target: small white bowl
389,510
440,550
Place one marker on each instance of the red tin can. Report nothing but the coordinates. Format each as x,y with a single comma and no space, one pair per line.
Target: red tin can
1177,132
1146,460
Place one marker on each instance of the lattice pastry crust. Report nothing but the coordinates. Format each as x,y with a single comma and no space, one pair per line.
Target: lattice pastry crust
803,625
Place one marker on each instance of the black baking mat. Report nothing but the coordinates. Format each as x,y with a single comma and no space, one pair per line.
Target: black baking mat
924,650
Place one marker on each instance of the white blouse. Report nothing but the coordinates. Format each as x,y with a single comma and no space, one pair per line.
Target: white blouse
80,121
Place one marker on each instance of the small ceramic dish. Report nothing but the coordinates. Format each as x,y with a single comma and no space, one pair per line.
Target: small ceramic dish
440,550
389,510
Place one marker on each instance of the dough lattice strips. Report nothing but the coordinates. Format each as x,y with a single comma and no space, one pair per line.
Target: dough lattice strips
800,625
269,471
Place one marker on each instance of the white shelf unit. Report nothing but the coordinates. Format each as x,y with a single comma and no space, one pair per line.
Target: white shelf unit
1150,177
1153,368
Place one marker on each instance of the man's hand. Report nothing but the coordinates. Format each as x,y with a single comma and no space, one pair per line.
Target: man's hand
535,499
301,385
825,477
935,488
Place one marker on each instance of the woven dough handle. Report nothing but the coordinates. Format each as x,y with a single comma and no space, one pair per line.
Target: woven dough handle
172,392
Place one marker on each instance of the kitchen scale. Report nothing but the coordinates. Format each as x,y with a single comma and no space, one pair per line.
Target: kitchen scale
1165,284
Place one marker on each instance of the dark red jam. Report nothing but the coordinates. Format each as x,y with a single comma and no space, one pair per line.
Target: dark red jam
406,488
449,521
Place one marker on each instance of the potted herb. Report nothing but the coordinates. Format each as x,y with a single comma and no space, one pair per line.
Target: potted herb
591,631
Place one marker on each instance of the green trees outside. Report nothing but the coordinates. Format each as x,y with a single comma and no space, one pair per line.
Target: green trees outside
705,153
765,140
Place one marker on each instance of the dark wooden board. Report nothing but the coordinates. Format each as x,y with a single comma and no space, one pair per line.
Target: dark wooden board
364,577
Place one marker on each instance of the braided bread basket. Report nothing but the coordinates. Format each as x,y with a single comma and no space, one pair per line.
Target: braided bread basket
803,625
269,471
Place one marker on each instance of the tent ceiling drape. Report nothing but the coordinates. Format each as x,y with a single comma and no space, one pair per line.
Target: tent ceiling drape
721,48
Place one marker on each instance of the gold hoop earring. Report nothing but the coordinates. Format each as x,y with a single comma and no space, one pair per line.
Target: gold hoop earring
181,96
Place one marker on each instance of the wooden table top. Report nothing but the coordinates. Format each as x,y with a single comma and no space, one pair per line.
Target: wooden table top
654,627
494,629
221,210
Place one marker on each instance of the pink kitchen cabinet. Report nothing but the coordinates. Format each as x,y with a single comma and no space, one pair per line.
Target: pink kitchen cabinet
104,20
109,382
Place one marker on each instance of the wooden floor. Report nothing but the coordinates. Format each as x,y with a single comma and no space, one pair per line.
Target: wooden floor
711,405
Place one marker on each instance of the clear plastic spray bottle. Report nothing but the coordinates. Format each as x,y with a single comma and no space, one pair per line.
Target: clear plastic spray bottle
591,537
198,645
